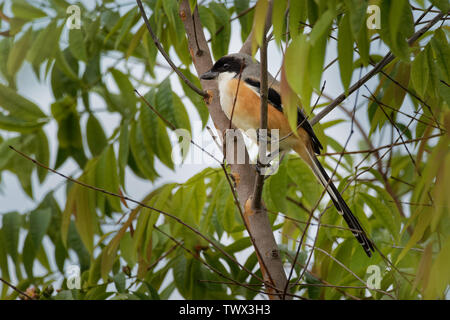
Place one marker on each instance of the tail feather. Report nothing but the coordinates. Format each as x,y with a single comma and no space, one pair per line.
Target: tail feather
338,201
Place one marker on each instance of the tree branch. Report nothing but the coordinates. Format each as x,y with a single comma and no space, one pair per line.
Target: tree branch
259,182
259,227
16,289
166,56
378,67
3,16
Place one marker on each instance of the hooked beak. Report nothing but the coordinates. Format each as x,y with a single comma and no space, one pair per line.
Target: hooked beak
210,75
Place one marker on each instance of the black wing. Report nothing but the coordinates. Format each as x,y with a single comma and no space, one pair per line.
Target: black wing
275,100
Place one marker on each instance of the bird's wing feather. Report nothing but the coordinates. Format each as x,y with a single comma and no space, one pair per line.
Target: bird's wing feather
275,99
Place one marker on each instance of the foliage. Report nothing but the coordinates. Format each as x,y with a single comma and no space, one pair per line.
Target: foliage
401,199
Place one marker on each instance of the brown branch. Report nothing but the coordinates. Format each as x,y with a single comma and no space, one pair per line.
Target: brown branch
379,148
16,289
3,16
259,227
166,56
264,91
389,57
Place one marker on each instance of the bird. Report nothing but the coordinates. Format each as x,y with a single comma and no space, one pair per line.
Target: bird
238,76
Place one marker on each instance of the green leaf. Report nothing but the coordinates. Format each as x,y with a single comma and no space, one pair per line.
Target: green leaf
180,114
107,177
317,58
297,58
197,101
207,19
14,124
128,97
443,5
69,131
277,187
225,206
45,44
5,48
345,52
126,250
22,9
11,227
18,106
246,20
357,9
164,147
119,282
77,44
297,15
4,267
28,256
441,50
148,122
18,53
125,24
124,148
439,277
307,184
39,223
259,23
136,40
322,26
401,27
42,154
85,217
363,42
144,160
153,292
221,41
170,8
62,84
164,102
96,138
383,213
420,73
278,21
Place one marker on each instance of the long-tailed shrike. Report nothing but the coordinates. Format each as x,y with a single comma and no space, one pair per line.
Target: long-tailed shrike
240,69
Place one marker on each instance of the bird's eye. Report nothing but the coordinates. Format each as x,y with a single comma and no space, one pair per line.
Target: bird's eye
225,66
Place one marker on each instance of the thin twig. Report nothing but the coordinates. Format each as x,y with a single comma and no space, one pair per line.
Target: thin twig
16,289
389,57
166,56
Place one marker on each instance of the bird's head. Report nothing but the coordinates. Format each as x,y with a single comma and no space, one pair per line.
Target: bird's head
232,64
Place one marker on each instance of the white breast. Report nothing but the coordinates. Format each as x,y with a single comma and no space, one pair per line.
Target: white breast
226,97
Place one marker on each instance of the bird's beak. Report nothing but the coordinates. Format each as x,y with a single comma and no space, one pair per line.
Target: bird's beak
210,75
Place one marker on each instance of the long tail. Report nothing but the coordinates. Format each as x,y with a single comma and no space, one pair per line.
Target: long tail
337,199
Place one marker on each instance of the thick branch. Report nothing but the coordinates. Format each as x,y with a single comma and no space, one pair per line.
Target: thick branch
259,183
378,67
259,227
